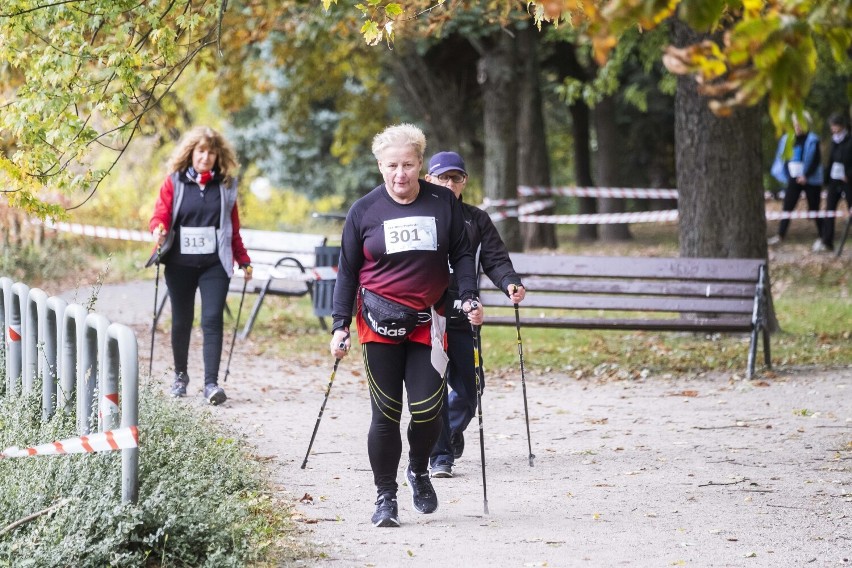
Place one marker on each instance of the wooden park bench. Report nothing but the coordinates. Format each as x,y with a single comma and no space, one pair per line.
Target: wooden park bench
637,293
285,264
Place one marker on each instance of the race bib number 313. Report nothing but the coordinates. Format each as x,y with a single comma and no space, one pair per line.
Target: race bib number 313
197,240
410,233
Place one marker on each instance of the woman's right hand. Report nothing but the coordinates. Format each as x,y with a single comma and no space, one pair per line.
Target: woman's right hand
340,343
159,235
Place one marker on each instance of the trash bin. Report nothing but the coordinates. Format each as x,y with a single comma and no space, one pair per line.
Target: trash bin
325,272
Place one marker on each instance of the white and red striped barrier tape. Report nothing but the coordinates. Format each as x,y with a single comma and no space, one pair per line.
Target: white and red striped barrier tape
525,209
603,218
524,213
654,217
488,203
96,231
604,192
121,439
571,191
775,215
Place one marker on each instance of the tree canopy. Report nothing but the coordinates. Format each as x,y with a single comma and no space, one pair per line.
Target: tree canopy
79,78
765,48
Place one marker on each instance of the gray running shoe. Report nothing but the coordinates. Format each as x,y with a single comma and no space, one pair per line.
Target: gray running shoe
442,470
423,496
387,512
179,386
214,394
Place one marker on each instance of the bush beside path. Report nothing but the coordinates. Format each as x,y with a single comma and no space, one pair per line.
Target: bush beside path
706,470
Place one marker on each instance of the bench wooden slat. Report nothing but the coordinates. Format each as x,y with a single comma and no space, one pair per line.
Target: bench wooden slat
269,258
638,293
670,324
625,303
639,287
280,242
741,270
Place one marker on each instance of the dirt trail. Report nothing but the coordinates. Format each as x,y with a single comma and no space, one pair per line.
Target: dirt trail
684,471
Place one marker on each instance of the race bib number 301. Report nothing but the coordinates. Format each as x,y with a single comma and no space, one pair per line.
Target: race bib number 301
197,240
410,233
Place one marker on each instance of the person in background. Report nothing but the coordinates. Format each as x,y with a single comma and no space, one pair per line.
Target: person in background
802,172
196,225
839,168
398,244
448,169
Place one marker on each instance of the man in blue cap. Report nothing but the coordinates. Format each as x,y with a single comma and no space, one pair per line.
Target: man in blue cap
448,169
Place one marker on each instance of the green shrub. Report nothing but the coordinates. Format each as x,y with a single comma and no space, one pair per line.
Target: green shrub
202,500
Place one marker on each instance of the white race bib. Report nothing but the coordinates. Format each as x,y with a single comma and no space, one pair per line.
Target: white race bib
838,170
410,233
796,169
197,240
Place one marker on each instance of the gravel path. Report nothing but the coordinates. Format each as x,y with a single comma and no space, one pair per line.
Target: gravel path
664,471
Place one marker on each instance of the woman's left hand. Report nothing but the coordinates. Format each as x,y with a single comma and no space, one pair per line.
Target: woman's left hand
475,312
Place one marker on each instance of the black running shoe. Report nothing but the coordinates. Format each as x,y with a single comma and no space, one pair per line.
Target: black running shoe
423,496
457,443
387,512
214,394
179,386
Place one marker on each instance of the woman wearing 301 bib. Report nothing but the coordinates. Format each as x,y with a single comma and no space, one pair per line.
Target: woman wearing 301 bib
197,228
397,247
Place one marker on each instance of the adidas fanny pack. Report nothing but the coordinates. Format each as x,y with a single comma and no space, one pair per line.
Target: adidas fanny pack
388,318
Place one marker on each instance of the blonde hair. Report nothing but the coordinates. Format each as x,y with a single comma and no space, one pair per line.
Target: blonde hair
806,117
226,157
399,135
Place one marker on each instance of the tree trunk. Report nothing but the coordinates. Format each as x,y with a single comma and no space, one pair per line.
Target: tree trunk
719,175
497,75
608,157
533,158
721,208
583,167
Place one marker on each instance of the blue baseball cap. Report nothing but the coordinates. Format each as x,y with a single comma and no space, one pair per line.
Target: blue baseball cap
445,162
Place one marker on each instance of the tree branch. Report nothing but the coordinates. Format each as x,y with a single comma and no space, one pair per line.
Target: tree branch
28,518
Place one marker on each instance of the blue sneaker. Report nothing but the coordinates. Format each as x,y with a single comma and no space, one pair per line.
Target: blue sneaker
387,511
423,496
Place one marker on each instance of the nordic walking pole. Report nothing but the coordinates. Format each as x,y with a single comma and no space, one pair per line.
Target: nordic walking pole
156,293
523,379
247,270
341,345
480,381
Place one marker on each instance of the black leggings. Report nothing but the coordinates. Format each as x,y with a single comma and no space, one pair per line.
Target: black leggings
213,282
791,198
389,366
836,191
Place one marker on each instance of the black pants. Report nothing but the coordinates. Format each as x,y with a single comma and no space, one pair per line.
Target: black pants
836,190
389,367
791,198
213,283
461,402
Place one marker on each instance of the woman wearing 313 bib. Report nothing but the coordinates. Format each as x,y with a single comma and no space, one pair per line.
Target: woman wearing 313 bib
398,244
197,228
